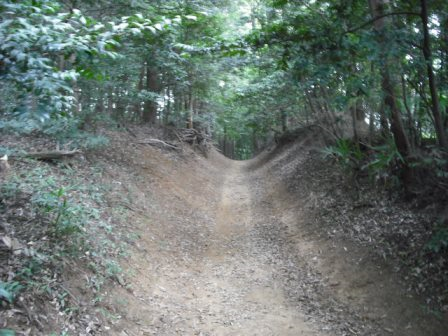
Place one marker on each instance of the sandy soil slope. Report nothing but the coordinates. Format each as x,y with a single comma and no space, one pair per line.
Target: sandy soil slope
227,250
219,247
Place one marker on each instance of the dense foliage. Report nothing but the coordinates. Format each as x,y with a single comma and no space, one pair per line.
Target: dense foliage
245,72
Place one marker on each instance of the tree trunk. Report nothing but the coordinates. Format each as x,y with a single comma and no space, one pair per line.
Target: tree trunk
166,117
435,106
444,59
191,110
177,96
396,123
410,123
138,103
353,110
387,85
390,100
371,126
284,117
152,85
384,123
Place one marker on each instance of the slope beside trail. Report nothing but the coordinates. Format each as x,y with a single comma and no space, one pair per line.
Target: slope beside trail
222,252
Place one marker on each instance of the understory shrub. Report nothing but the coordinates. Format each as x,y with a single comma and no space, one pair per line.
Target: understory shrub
65,130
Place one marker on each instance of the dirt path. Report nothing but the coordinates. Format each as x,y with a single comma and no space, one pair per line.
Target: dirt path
215,247
254,303
234,257
226,284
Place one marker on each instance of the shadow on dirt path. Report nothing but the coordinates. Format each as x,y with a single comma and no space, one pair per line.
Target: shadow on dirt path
225,284
245,269
238,259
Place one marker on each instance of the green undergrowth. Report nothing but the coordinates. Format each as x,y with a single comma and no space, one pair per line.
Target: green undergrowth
56,221
66,131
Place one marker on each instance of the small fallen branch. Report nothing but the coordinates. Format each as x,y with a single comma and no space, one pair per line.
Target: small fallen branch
51,155
155,142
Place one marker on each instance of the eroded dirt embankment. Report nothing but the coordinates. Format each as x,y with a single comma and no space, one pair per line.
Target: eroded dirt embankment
227,249
201,268
343,286
219,247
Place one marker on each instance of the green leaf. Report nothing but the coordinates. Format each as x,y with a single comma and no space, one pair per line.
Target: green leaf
235,52
279,3
7,332
6,295
8,290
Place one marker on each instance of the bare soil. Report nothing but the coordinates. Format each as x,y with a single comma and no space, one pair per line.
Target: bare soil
236,248
229,250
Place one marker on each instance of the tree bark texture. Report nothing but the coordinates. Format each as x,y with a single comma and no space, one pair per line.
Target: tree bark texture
152,85
390,100
435,105
138,103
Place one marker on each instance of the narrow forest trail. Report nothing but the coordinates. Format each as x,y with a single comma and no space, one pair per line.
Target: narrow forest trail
255,302
224,251
226,285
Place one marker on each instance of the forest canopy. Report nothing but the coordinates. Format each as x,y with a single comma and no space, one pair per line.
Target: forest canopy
244,72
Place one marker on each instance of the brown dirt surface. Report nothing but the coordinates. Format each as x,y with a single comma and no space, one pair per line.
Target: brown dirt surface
238,248
236,252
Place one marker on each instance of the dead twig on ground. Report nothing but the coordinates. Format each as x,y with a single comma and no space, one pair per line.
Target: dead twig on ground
155,142
50,155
